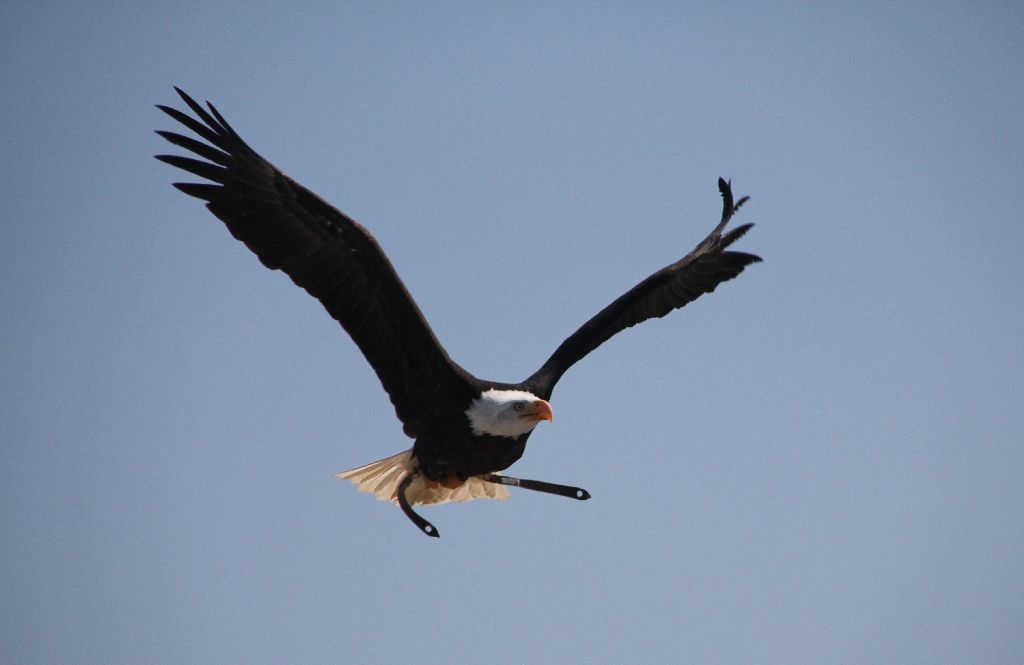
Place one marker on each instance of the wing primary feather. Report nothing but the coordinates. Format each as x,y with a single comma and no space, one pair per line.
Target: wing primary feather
199,111
734,235
197,167
200,190
198,147
197,127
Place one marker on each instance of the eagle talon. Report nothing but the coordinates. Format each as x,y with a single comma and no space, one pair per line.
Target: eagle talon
424,526
577,493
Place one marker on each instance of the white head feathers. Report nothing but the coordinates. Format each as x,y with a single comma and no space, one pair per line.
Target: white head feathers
508,413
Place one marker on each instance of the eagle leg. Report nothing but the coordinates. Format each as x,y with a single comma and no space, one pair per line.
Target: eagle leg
424,526
540,486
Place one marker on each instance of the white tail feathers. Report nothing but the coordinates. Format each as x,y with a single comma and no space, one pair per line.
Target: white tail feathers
382,478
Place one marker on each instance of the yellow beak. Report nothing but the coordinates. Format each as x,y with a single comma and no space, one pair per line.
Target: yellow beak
539,410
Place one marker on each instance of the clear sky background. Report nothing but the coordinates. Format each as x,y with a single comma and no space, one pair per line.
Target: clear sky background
821,462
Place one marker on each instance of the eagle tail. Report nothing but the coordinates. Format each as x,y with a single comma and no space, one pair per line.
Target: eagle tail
381,478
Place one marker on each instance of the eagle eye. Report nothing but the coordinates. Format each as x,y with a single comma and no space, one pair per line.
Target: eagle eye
518,406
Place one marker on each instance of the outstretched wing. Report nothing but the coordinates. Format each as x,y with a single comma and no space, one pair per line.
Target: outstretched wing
672,287
325,252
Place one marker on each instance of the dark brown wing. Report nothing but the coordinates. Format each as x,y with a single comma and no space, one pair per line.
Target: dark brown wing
672,287
325,252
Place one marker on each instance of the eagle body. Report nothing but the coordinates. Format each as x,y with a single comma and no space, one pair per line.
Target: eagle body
464,429
473,443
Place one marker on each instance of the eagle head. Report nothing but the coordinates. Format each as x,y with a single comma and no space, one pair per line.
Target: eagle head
510,413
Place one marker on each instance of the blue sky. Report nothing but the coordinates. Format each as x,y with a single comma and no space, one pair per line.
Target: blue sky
820,462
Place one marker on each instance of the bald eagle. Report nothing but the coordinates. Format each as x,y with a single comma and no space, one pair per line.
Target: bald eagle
465,429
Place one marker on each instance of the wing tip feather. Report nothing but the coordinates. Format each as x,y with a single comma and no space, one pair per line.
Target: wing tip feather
203,191
725,189
735,234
